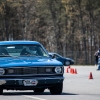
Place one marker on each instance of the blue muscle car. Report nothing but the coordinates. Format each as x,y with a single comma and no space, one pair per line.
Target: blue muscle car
26,65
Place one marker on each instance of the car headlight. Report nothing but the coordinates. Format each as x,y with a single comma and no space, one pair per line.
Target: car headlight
2,71
58,70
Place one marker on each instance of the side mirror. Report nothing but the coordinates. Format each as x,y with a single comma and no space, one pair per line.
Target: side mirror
52,56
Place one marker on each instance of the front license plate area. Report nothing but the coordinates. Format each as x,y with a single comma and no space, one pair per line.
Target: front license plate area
30,82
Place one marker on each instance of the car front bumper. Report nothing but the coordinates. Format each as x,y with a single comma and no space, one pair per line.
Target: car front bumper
18,83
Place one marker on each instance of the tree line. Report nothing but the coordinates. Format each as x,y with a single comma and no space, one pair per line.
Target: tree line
68,27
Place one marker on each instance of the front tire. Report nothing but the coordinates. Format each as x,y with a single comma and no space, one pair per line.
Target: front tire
1,90
56,89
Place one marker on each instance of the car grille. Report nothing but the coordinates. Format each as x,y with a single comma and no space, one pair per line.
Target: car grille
28,71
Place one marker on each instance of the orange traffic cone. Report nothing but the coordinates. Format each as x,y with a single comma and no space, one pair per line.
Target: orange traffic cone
70,70
75,71
69,66
67,70
90,76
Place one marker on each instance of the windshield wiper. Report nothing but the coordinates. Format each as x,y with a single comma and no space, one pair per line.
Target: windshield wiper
29,55
3,55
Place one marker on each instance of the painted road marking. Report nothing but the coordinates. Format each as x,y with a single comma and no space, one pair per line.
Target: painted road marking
36,98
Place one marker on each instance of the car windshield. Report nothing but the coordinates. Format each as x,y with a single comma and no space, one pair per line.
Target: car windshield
22,50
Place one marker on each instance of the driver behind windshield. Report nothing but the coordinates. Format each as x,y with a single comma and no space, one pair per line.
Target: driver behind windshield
31,50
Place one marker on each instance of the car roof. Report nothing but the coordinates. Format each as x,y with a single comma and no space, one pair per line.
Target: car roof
18,42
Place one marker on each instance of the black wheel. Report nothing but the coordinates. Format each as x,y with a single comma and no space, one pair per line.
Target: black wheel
56,89
67,63
39,90
1,90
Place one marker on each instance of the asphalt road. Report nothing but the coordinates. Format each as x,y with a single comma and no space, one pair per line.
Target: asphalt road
76,87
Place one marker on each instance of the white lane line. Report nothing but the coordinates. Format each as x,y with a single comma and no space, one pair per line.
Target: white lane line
36,98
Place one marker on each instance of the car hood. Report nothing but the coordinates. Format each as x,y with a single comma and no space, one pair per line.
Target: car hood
27,61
